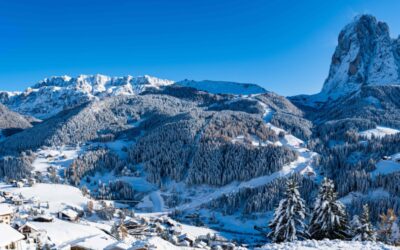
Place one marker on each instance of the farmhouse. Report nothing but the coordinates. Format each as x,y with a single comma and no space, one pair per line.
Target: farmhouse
6,213
42,218
29,230
10,238
68,214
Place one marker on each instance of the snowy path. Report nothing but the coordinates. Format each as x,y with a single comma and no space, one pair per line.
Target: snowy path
158,202
303,164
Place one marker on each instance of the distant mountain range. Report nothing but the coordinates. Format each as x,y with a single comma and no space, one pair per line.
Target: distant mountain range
52,95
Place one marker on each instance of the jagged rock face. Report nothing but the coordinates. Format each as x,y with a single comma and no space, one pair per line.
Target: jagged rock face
365,55
55,94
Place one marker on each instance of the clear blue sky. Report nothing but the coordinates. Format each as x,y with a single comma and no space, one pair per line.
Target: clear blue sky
285,46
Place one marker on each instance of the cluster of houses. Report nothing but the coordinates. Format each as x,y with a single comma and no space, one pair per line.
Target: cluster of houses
16,231
10,238
172,231
17,215
19,230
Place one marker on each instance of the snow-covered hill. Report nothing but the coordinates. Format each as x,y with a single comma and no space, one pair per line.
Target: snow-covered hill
52,95
191,147
222,87
12,120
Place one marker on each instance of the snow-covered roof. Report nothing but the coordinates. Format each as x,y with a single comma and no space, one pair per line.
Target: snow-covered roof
70,213
44,217
8,235
27,224
5,209
120,245
96,242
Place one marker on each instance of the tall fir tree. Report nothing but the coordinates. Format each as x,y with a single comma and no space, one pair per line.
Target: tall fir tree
288,222
119,231
364,231
355,224
329,219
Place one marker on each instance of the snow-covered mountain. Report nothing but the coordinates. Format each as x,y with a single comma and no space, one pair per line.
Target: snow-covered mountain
366,55
52,95
223,87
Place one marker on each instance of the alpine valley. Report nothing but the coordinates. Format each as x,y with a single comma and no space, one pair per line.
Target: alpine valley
99,162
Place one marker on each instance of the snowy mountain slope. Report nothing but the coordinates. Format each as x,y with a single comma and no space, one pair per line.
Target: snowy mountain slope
174,148
150,136
207,131
376,105
94,120
52,95
222,87
10,119
11,122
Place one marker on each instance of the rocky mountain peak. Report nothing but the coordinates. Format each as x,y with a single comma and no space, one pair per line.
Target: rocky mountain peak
365,55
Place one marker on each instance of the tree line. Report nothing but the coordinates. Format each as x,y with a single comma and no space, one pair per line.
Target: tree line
328,219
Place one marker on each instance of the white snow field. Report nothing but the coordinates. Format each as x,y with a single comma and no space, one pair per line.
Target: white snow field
379,132
328,245
57,195
54,157
387,166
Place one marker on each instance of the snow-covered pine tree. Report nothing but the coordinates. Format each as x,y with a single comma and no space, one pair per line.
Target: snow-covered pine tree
364,231
288,222
355,224
329,219
395,237
119,231
114,231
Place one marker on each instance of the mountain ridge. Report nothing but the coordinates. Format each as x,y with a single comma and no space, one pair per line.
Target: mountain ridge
55,94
